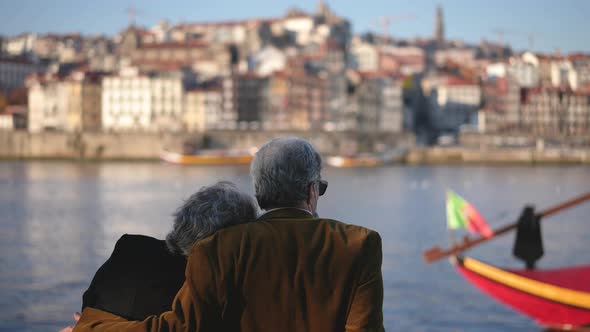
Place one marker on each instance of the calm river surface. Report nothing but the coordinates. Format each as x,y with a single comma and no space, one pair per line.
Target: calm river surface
59,222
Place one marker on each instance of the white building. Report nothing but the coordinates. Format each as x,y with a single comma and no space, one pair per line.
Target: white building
497,70
525,74
14,71
363,56
134,101
267,61
454,103
64,103
580,75
462,93
6,122
561,70
524,70
19,45
162,32
47,104
574,72
300,26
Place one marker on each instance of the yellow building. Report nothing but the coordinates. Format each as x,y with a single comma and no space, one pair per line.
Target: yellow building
203,109
82,101
194,111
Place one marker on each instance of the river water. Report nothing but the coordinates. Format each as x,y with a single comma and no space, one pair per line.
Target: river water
59,222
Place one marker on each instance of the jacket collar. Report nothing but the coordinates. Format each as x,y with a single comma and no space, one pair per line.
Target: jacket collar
286,213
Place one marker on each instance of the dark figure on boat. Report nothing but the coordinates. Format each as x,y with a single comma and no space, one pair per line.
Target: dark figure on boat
528,244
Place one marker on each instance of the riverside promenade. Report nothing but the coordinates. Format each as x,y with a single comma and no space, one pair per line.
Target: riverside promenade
148,147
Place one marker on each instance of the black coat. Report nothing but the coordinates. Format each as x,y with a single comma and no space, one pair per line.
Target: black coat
140,279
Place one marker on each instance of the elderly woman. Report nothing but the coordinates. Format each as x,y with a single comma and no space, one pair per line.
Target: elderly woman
143,274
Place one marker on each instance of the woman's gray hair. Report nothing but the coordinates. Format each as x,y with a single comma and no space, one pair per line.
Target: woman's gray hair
205,212
282,171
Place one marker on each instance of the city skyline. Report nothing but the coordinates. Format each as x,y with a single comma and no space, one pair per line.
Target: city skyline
463,20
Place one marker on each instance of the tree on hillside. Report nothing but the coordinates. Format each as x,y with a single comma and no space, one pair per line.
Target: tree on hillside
3,101
18,97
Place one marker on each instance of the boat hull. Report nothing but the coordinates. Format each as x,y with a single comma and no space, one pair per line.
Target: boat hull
371,160
550,304
338,161
182,159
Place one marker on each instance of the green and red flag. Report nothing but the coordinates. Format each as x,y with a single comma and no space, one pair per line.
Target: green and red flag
461,214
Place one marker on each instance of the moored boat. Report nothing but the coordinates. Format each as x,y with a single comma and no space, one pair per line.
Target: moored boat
209,157
355,161
366,160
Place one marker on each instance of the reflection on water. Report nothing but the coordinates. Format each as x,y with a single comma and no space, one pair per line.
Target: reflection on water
59,222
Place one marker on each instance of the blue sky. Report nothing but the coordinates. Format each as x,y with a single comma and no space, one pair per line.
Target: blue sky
556,24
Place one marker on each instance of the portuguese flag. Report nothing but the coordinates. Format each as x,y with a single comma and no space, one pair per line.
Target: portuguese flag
461,214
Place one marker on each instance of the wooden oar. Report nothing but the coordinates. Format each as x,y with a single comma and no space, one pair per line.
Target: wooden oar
437,253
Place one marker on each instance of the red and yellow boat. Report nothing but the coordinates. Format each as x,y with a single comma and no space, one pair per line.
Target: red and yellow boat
558,299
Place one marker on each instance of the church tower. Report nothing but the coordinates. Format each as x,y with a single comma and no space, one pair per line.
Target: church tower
439,32
323,10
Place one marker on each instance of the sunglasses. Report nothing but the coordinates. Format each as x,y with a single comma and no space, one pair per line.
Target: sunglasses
323,185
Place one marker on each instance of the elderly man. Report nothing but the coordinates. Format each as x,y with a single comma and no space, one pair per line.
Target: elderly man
288,271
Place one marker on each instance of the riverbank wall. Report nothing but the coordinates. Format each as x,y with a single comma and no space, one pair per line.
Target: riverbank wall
148,146
495,156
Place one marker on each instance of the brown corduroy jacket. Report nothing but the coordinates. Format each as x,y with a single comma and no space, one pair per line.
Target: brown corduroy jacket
285,272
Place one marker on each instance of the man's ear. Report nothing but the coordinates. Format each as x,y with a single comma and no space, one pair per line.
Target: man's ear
312,194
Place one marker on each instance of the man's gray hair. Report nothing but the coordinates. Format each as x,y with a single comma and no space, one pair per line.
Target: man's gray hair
282,171
208,210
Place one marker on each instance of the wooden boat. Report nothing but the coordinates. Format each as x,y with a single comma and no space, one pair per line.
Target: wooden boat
367,160
356,161
208,157
558,299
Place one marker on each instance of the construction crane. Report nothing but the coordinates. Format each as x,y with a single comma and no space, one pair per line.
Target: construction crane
531,38
132,13
385,22
501,33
